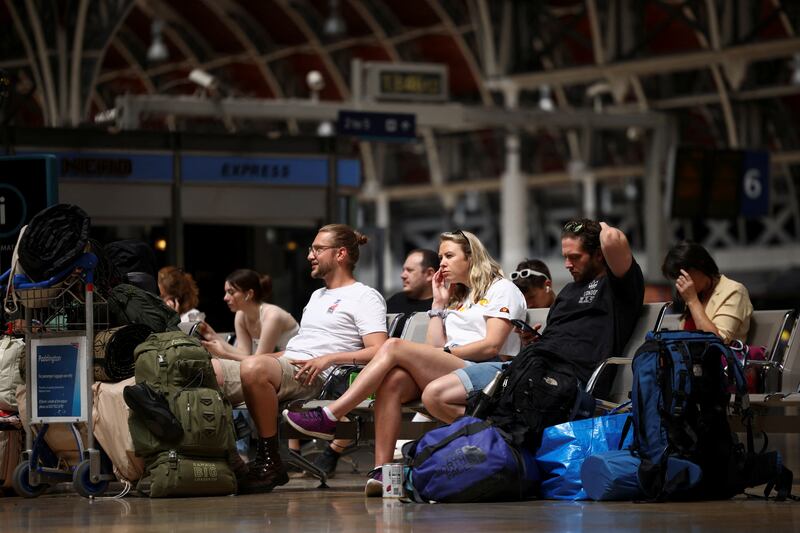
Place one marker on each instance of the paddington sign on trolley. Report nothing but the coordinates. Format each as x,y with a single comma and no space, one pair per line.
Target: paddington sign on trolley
58,378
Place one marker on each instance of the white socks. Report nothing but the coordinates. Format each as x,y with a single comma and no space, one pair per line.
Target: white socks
329,414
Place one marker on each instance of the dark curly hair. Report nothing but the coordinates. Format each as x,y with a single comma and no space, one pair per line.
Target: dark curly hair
585,230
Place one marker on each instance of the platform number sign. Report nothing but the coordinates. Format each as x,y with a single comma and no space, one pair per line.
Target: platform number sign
377,126
754,197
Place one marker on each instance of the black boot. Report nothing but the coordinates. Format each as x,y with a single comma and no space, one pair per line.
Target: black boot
328,460
267,471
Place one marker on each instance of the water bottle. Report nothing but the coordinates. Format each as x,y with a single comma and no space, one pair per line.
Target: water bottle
485,396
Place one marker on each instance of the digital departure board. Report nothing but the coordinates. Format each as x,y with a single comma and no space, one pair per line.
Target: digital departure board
411,82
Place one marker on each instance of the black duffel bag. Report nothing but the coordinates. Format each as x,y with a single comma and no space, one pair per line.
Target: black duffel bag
54,240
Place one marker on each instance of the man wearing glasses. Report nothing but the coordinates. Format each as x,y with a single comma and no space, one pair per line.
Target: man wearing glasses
591,319
343,322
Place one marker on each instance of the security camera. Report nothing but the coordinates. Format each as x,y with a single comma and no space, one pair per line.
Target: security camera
203,79
315,81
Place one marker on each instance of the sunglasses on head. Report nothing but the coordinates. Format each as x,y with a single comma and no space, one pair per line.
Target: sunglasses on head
526,273
573,227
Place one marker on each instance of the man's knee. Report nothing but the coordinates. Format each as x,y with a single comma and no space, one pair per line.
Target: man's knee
259,371
218,372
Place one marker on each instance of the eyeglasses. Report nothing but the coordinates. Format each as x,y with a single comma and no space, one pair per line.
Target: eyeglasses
526,273
316,250
573,227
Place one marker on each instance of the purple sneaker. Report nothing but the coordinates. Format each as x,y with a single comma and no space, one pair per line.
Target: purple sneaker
374,486
314,423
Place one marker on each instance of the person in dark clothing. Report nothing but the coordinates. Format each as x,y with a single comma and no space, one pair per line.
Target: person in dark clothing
418,270
591,319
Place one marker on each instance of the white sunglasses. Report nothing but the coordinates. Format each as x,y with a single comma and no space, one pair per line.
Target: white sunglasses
526,273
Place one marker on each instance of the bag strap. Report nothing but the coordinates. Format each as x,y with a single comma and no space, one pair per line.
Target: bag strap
10,286
468,429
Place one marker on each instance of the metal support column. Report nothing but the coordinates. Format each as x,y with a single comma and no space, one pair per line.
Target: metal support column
655,217
513,198
175,246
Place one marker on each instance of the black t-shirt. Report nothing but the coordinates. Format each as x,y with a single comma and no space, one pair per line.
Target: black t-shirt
401,303
592,320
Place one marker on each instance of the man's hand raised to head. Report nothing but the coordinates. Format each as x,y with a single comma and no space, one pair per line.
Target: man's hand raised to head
616,250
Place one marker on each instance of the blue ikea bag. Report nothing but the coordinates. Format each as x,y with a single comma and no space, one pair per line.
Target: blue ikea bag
566,446
468,461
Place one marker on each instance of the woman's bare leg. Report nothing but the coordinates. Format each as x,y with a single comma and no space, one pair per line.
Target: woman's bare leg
397,388
445,398
422,361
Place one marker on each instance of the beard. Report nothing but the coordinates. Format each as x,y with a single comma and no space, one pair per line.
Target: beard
593,270
321,271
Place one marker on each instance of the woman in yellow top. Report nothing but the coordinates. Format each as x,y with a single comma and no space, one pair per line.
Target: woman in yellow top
714,303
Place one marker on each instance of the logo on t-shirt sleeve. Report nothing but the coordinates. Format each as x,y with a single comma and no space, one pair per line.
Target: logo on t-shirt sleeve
504,309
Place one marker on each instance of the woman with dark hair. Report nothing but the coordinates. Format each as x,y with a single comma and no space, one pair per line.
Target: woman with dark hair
260,326
714,303
532,277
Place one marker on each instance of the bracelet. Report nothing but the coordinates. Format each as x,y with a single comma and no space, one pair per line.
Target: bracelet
441,313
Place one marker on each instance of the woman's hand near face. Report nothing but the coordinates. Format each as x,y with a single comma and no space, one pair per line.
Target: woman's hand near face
685,287
441,292
173,303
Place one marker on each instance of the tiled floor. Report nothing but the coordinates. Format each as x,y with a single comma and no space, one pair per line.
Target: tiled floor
300,506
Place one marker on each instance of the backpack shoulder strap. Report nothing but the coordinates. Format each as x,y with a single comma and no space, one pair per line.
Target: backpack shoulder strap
468,429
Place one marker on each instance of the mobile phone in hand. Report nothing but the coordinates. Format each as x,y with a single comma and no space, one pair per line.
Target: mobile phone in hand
521,324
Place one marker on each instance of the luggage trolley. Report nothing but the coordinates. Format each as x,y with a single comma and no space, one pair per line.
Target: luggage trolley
59,348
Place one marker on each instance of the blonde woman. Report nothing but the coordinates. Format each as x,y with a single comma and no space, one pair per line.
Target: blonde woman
470,321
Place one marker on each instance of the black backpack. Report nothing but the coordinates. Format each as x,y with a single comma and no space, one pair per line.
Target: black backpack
536,391
128,304
680,400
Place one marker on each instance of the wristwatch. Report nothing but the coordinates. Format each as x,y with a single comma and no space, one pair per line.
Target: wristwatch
447,349
441,313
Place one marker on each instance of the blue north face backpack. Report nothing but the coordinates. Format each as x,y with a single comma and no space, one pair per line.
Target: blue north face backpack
682,384
468,461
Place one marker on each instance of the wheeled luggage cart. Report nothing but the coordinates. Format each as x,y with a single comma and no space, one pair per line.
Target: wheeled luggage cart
59,340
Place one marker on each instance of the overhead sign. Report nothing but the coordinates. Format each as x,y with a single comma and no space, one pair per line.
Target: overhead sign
721,184
289,171
755,184
28,184
409,82
379,126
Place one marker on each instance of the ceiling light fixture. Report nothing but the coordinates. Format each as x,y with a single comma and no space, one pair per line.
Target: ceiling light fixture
796,69
334,25
158,51
546,99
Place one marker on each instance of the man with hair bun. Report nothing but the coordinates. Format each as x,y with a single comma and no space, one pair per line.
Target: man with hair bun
343,322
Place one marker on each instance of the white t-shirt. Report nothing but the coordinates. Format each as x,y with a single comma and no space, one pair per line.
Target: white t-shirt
336,320
468,323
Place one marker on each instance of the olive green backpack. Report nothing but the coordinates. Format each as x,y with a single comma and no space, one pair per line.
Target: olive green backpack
180,368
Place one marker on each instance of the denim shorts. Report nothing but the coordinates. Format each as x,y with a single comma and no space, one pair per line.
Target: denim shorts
475,376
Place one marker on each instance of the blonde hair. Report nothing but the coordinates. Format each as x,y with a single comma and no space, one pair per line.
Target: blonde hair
483,270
